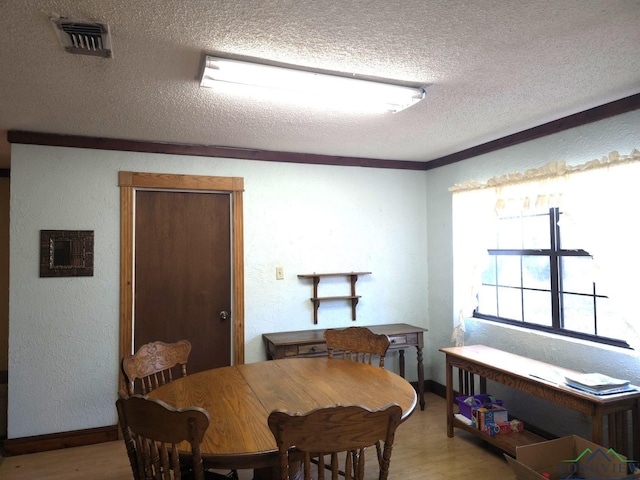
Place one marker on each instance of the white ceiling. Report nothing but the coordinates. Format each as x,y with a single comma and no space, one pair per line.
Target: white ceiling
493,68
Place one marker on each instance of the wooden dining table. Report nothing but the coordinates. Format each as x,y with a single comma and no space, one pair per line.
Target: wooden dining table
240,398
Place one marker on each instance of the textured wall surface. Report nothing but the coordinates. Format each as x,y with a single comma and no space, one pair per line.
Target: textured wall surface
64,332
63,336
574,146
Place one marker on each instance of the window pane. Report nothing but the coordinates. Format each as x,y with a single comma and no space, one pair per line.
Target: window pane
510,303
508,273
517,283
607,315
489,275
510,233
578,313
535,232
569,236
492,241
537,306
487,302
577,274
536,272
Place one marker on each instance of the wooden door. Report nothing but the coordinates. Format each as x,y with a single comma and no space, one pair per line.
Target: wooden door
182,278
133,184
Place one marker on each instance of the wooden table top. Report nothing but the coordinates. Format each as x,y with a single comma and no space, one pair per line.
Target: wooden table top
240,398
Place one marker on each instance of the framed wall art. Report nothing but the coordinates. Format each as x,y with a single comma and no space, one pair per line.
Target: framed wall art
66,253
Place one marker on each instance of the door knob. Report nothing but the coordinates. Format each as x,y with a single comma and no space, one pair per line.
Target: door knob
224,315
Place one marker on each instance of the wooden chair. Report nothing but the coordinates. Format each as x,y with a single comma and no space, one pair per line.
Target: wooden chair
330,432
152,431
357,343
153,364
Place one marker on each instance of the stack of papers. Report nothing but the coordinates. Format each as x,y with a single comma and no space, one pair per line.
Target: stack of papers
598,383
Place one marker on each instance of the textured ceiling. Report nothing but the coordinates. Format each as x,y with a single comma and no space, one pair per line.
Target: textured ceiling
493,68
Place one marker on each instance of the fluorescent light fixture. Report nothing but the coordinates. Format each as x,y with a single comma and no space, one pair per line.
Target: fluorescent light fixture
327,88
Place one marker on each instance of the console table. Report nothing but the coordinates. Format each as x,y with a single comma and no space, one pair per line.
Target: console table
518,372
310,343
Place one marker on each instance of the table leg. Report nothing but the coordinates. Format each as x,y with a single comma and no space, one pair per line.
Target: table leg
267,473
635,430
401,360
449,389
620,439
273,473
420,378
596,427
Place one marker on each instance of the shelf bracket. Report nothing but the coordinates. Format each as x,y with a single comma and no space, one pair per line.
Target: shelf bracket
354,302
353,298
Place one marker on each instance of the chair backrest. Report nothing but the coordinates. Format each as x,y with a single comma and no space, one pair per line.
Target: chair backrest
331,431
152,365
357,343
152,431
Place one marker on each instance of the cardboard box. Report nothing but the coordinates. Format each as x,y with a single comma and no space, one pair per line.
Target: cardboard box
488,415
502,428
563,456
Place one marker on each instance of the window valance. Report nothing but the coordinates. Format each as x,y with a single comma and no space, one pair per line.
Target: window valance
551,170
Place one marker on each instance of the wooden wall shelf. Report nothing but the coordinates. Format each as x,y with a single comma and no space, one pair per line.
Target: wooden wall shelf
353,298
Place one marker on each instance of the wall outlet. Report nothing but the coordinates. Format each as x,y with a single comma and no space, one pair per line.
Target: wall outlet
279,273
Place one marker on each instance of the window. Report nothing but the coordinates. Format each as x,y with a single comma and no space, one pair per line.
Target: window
532,281
552,249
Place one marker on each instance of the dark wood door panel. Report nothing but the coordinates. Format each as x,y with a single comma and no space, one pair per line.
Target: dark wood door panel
183,273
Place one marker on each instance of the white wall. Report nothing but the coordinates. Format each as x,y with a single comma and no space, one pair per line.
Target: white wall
63,332
574,146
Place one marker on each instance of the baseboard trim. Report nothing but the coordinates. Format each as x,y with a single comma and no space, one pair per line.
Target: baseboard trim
55,441
78,438
431,387
436,388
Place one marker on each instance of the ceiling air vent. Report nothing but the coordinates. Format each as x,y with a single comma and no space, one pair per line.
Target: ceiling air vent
84,38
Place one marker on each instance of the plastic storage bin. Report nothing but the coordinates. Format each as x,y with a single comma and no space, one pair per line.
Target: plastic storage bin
465,404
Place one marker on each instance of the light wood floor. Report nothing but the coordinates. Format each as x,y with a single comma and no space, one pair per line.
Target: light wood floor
422,451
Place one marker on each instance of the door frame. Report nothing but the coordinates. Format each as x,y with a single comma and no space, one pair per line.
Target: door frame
128,183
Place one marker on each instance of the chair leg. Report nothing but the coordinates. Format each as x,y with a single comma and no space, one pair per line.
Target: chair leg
379,452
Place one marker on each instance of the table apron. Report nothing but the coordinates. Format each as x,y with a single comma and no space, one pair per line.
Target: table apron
241,461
